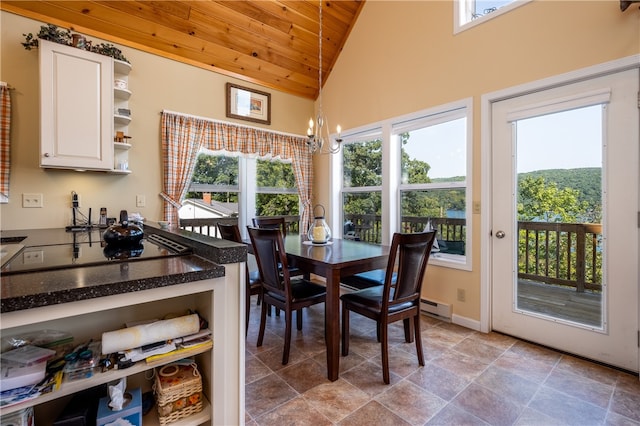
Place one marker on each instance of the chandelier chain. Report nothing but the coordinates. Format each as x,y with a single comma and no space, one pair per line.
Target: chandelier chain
316,140
320,62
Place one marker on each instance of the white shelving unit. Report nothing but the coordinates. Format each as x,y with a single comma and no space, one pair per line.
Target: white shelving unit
121,122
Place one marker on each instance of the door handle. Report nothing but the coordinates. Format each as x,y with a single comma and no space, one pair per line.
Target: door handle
500,234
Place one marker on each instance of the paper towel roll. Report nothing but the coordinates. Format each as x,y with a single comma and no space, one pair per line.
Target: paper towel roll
134,337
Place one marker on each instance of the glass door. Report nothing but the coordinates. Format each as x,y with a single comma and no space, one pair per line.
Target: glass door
565,189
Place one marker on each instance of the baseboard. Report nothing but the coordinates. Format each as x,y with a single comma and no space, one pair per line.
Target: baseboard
465,322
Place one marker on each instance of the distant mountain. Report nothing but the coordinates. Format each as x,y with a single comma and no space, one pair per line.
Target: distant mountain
586,180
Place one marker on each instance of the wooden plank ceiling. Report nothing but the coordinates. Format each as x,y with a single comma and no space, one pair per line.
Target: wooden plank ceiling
270,43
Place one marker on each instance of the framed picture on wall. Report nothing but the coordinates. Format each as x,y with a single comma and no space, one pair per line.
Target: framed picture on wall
248,104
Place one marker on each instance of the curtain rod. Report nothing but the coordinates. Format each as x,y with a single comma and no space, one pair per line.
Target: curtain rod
165,111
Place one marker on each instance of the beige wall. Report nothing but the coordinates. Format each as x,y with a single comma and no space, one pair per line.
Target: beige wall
157,84
403,57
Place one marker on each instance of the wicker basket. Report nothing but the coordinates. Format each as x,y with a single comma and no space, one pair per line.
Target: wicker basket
178,390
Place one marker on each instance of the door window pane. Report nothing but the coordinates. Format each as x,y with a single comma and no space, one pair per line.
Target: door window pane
559,204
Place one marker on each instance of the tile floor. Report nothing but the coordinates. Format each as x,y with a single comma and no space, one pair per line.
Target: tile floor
469,378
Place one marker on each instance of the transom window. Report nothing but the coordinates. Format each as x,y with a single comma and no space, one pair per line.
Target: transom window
468,13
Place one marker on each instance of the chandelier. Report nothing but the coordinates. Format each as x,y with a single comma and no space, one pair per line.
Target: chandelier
318,132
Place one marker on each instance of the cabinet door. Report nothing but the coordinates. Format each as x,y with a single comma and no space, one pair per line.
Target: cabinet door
76,108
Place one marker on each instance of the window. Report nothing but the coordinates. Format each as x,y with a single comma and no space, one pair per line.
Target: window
276,193
411,174
361,188
214,188
468,13
229,185
433,179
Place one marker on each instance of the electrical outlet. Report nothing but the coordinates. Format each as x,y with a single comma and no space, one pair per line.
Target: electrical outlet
462,295
75,199
140,201
31,257
32,201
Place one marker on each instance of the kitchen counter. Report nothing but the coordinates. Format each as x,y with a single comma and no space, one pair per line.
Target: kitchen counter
49,287
88,300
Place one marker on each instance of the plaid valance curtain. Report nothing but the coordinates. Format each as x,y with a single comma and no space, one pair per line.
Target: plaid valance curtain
184,135
5,143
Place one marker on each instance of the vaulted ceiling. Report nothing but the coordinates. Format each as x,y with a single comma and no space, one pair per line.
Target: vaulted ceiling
270,43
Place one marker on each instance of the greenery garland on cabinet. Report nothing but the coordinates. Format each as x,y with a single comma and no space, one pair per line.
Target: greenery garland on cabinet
64,36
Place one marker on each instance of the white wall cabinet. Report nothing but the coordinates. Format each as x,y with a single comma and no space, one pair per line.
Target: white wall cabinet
78,104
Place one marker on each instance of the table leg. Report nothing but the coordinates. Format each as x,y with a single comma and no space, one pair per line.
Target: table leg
332,324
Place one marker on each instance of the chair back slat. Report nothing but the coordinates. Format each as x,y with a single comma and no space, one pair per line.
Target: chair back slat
229,231
271,223
268,248
412,252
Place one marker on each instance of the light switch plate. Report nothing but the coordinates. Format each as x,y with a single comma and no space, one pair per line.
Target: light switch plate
140,201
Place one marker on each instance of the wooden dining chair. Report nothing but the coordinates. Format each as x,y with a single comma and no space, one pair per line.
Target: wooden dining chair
231,232
279,289
271,223
276,222
391,301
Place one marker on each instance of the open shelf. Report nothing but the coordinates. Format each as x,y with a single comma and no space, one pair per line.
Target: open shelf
204,416
122,119
69,388
122,94
120,172
122,146
121,67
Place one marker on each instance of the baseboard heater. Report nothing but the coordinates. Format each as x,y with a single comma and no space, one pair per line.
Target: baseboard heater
433,307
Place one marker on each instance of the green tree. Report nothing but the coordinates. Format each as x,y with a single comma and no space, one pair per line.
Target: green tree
216,170
362,164
275,175
539,200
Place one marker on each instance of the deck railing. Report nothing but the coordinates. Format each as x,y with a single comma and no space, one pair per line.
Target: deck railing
568,254
209,226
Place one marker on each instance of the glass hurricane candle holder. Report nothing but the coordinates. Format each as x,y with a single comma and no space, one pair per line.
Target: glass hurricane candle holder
319,231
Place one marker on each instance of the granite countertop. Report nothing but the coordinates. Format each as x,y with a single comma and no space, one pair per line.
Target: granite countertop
48,287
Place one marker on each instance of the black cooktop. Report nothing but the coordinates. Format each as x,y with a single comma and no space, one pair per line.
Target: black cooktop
85,252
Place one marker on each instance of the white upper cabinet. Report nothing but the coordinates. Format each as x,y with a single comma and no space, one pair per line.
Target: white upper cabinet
76,108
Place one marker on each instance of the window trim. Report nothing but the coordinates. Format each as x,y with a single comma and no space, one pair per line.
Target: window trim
462,10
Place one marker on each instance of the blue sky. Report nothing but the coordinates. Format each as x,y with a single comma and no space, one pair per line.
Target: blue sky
442,146
565,140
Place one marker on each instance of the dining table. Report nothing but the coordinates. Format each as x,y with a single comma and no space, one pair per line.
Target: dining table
334,260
